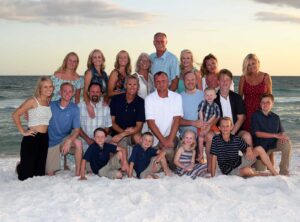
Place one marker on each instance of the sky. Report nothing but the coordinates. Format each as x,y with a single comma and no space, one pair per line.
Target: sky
36,34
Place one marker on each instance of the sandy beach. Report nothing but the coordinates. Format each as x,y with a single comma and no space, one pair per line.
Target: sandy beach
223,198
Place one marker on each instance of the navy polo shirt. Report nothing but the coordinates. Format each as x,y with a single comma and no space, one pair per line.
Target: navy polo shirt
141,158
127,114
268,124
99,156
228,152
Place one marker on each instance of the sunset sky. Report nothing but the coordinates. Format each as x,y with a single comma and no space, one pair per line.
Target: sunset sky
37,34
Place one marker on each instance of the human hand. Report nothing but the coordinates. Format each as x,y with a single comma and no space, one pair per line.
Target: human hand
90,110
66,147
30,132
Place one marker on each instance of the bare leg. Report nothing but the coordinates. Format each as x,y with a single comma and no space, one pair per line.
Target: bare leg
246,136
208,141
78,156
200,147
259,151
164,165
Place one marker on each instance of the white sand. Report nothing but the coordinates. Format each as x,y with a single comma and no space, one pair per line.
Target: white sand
223,198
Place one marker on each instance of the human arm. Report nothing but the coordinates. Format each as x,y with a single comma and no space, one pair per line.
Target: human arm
194,123
238,123
68,142
241,85
174,84
281,136
213,165
177,157
130,171
199,80
87,81
268,82
113,78
86,138
124,163
82,170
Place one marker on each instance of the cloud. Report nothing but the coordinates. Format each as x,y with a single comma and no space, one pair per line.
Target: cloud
70,12
290,3
277,17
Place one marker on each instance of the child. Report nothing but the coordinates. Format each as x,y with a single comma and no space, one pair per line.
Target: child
146,161
185,157
209,113
98,155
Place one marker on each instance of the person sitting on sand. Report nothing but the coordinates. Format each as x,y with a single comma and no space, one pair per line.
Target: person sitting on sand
64,128
268,132
225,149
98,155
185,157
146,161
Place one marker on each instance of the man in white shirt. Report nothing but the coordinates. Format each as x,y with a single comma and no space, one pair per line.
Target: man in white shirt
163,113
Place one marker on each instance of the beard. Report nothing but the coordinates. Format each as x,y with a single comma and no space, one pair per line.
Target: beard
95,99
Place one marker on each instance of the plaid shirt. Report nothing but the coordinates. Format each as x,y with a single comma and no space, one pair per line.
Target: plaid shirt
209,110
88,125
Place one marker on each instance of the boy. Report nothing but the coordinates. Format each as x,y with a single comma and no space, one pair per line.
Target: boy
98,155
146,161
268,132
209,114
225,150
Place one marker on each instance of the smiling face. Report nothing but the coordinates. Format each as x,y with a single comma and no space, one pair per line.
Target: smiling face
225,82
266,104
95,93
210,95
132,86
97,59
160,43
99,138
66,92
225,126
161,83
212,65
186,59
189,139
146,141
144,63
72,62
122,59
46,88
252,66
190,81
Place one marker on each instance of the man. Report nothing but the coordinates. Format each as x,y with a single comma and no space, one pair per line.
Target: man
268,132
165,61
127,114
225,149
163,114
63,130
102,115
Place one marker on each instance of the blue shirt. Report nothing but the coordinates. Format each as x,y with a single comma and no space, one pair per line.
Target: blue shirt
190,104
141,158
99,156
167,63
62,122
268,124
127,114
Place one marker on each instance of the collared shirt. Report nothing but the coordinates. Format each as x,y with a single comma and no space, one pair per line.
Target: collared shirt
228,152
190,104
62,122
209,110
167,63
226,107
88,124
127,114
163,110
265,123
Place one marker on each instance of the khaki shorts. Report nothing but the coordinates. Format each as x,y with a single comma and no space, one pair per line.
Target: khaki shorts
53,157
148,170
111,169
245,163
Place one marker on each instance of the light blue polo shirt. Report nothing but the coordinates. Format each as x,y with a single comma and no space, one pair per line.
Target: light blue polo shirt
167,63
190,103
62,122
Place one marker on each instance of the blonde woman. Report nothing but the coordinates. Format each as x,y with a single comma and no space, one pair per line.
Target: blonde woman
67,73
117,76
34,146
187,65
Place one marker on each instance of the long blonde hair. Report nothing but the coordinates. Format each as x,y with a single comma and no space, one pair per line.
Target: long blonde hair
128,65
41,80
249,57
63,67
90,62
181,55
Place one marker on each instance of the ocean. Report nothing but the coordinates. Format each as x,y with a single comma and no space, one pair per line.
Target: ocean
15,89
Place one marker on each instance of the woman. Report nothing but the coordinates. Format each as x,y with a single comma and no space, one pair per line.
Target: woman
117,76
142,69
34,146
209,71
95,74
67,73
253,83
186,65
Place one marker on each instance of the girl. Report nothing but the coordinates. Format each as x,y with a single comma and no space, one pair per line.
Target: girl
34,146
117,77
185,157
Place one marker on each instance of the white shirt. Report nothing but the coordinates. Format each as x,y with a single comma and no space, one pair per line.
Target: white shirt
162,111
226,107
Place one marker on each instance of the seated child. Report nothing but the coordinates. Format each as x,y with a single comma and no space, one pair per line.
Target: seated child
146,161
98,155
185,157
209,113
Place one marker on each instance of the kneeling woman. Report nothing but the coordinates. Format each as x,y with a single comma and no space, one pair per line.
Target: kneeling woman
34,146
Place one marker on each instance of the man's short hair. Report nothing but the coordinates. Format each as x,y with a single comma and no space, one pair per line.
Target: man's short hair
147,134
160,34
188,72
159,73
100,130
67,84
94,84
128,77
225,72
267,95
225,118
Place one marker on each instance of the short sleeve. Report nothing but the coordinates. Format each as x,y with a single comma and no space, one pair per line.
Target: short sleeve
133,155
217,110
141,111
201,106
111,148
76,119
214,146
174,69
88,153
243,145
254,123
178,109
152,152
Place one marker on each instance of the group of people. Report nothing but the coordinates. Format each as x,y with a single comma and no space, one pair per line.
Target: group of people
167,116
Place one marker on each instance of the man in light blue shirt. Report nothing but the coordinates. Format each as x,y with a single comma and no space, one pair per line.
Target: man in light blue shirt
191,98
165,61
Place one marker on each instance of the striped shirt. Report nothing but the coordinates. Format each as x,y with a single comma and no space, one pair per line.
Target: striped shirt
209,110
88,125
228,152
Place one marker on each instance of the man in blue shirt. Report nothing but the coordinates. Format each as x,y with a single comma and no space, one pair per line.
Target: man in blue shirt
165,61
63,130
268,132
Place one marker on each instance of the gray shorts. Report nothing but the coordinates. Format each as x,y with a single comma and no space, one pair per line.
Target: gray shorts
245,163
111,169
